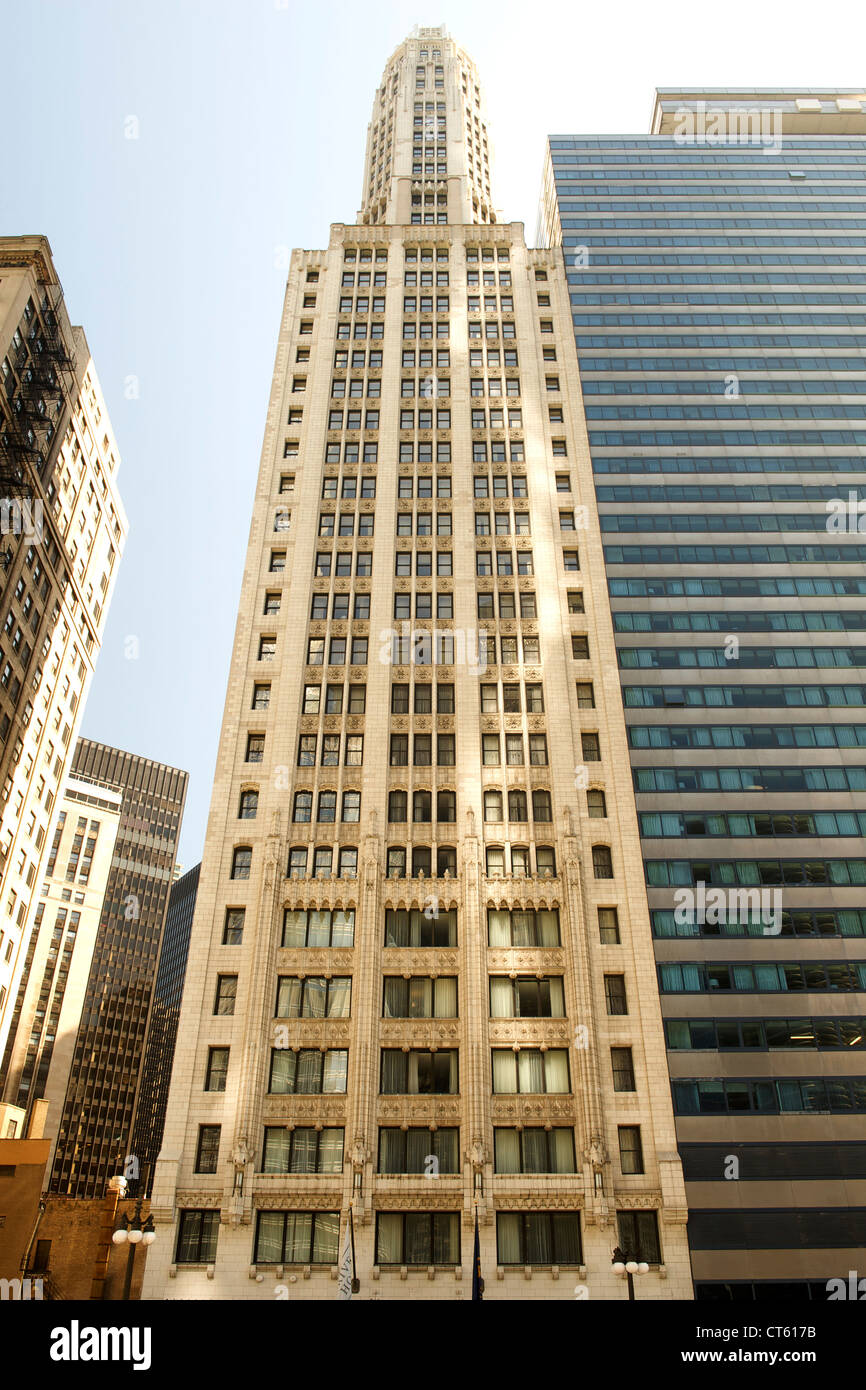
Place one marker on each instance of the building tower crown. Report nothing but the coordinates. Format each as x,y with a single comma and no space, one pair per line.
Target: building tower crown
428,157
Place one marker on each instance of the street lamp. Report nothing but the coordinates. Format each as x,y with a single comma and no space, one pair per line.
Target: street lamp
132,1233
624,1264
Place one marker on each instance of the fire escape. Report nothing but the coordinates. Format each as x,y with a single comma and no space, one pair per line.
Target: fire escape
40,382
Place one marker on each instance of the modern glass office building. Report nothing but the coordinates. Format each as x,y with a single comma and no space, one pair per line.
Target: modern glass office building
717,277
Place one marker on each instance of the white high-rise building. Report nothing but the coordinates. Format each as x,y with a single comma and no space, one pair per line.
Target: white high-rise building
421,979
62,532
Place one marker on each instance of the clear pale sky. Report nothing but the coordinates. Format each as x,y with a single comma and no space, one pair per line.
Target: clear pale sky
169,245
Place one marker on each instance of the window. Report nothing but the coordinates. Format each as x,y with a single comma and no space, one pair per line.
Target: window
412,928
630,1150
313,927
590,748
297,1237
541,809
614,994
418,1238
233,927
538,750
298,857
217,1069
490,751
242,859
532,1150
622,1066
408,1150
197,1237
207,1150
419,997
445,698
397,861
302,1150
226,993
538,1238
418,1072
526,997
639,1235
249,805
596,805
308,1072
571,561
322,860
608,926
585,695
602,864
313,997
580,646
530,1071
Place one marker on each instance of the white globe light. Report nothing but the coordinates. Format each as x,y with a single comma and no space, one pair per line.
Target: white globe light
643,1267
631,1266
619,1267
119,1237
148,1238
134,1237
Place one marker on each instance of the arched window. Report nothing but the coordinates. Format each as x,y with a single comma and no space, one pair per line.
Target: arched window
397,861
596,805
421,861
397,806
446,859
323,858
249,805
517,805
545,861
602,864
297,861
303,808
349,862
495,861
446,806
421,806
242,859
520,860
541,806
493,806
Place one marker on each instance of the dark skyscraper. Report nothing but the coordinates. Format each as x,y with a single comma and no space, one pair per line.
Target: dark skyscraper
97,1115
716,274
162,1032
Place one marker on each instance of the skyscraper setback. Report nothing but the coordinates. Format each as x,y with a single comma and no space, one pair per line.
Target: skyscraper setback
420,978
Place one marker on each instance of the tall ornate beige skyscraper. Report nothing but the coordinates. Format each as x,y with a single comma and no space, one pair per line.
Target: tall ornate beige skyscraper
421,979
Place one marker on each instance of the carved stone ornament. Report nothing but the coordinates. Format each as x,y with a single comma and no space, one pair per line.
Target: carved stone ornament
303,1201
596,1153
241,1153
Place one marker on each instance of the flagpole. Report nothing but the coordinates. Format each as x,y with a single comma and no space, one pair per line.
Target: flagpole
477,1280
356,1283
